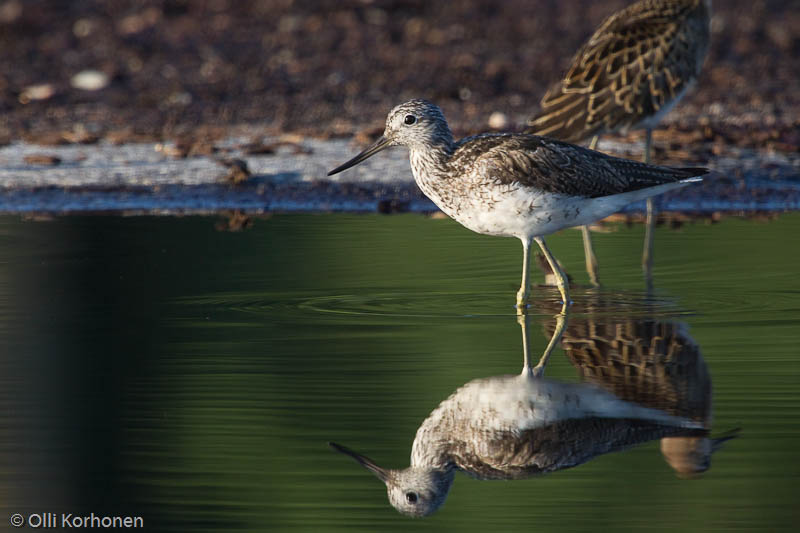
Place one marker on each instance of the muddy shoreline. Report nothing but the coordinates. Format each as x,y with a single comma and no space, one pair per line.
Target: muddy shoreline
291,175
197,71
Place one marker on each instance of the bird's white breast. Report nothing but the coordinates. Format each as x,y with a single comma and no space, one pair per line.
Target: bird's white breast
521,402
491,208
512,405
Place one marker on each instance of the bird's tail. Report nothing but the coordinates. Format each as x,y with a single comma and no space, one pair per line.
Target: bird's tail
694,174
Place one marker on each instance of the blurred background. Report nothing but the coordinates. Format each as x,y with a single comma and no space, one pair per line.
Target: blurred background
160,69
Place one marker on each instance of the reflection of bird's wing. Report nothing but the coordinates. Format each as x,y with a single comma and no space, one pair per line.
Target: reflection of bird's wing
558,167
653,363
635,349
637,62
510,455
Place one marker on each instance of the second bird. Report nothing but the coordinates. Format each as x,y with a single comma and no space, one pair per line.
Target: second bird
635,67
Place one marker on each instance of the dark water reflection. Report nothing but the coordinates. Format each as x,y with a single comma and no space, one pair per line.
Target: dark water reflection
157,367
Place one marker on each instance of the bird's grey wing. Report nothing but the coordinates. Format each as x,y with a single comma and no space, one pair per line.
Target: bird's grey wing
510,455
557,167
470,150
636,63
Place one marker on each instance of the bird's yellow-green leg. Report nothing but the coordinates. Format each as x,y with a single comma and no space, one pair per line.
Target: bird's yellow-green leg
650,224
592,267
522,294
561,278
524,322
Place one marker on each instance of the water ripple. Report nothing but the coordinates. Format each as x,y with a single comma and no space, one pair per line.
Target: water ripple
544,301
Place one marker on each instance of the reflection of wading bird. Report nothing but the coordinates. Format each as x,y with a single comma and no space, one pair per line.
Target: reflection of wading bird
516,427
629,74
520,186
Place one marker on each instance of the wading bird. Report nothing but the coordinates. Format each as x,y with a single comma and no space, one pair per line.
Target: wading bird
517,185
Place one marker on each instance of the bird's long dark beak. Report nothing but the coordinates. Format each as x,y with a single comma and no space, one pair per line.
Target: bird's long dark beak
376,147
366,462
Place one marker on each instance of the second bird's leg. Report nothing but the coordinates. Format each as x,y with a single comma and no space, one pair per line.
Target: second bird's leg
588,249
561,278
650,224
591,260
522,294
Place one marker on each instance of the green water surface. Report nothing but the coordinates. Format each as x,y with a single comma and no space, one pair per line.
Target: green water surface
161,368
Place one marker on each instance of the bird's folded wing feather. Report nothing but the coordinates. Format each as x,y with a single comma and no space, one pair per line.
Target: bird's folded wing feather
557,167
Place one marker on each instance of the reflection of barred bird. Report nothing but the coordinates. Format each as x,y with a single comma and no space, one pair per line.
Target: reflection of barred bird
652,362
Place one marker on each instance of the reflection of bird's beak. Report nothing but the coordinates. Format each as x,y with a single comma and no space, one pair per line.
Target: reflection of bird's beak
376,147
369,464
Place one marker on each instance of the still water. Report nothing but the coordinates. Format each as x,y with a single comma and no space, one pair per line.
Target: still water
157,367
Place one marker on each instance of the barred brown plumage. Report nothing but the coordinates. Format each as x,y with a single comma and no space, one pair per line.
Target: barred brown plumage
630,72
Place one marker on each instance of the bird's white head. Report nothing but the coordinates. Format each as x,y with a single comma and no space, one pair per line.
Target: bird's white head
414,491
417,124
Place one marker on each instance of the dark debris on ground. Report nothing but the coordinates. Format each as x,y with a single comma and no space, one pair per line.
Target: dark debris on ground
134,70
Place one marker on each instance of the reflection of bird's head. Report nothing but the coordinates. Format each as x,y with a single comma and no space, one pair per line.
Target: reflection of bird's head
418,492
414,491
691,456
688,456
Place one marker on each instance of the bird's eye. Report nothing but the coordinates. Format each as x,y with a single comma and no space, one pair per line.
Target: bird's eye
411,497
410,119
